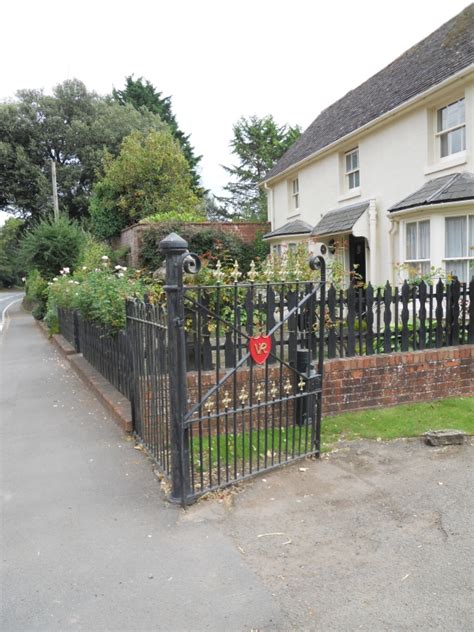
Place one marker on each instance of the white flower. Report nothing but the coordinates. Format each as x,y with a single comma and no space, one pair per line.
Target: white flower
104,258
84,267
49,283
55,279
71,281
23,279
76,282
120,275
118,267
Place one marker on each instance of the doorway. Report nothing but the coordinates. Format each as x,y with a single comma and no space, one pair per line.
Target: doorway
357,259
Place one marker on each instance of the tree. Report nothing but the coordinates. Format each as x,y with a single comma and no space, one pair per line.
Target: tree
73,127
150,177
258,143
9,238
49,246
142,94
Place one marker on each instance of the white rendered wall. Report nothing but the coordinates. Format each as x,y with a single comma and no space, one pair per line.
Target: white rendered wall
396,158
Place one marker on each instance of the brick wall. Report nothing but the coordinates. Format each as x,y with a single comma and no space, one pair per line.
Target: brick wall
132,236
373,381
386,380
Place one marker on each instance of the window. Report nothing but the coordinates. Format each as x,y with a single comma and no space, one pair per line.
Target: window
295,194
451,128
277,250
292,247
459,247
418,247
352,169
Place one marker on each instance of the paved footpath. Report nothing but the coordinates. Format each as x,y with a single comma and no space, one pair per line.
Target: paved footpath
87,541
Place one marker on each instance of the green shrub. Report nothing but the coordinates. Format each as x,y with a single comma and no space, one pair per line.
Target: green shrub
51,245
36,289
99,294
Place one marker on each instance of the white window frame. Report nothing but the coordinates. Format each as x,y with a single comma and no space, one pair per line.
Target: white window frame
295,194
448,131
421,265
277,250
352,172
469,257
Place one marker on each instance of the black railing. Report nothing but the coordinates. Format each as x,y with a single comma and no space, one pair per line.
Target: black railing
107,352
204,411
148,338
68,326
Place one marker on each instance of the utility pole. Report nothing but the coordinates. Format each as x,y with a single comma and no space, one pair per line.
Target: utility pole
55,190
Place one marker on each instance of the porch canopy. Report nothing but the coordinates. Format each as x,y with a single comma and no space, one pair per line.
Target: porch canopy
296,228
341,220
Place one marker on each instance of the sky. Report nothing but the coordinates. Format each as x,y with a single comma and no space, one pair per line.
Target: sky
218,60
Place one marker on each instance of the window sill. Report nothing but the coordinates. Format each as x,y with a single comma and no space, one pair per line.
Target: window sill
447,163
293,215
353,193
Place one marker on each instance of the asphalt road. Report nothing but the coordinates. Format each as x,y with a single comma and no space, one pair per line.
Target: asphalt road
7,299
375,537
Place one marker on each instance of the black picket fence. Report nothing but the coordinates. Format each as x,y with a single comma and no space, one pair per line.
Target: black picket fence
358,321
366,321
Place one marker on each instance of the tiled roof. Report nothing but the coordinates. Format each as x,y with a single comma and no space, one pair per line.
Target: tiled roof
452,188
296,227
339,220
442,54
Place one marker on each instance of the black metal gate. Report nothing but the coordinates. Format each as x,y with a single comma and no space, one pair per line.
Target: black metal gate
245,366
147,334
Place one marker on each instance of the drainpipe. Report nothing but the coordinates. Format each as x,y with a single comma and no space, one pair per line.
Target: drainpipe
373,239
392,233
270,206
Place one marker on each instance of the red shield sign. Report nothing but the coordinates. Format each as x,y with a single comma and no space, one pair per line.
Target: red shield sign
260,348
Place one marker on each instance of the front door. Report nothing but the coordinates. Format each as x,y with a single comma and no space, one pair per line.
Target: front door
357,256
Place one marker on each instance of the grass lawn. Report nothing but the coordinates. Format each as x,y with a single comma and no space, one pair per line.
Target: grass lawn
407,420
220,454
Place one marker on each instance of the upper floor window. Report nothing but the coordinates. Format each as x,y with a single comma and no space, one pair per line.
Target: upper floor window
418,247
459,246
295,194
352,169
451,128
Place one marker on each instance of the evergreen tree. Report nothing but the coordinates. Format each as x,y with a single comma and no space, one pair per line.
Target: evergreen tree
258,143
142,94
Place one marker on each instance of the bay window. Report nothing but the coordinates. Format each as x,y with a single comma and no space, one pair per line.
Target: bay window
418,247
459,247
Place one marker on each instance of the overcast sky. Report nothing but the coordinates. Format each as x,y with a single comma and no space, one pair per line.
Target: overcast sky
218,60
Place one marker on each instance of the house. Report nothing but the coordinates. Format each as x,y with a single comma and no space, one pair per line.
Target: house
384,176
